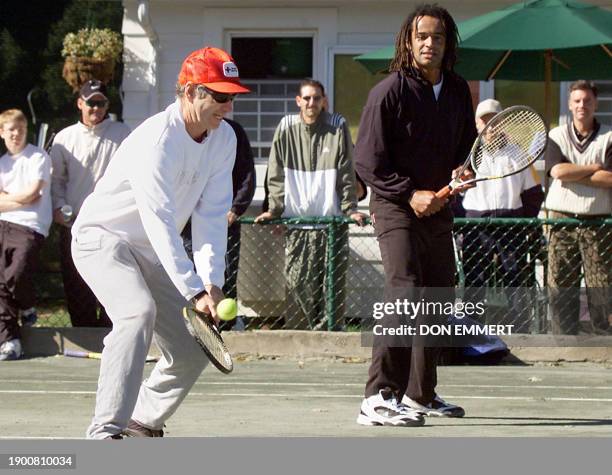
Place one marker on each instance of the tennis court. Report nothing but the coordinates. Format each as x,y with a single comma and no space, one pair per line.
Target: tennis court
53,397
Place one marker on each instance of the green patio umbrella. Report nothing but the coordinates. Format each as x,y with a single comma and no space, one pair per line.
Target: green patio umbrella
378,60
541,40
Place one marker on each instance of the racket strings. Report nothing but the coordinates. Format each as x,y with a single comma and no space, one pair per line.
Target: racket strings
211,339
509,143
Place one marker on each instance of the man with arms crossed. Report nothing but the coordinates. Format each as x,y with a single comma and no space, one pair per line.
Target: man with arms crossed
25,217
579,159
416,128
127,246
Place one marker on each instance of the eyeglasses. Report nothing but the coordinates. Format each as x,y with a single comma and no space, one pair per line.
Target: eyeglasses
218,97
101,103
314,98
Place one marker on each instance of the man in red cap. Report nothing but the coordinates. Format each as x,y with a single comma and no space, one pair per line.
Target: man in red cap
126,244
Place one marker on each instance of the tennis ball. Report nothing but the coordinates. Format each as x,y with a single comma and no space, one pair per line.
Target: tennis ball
227,309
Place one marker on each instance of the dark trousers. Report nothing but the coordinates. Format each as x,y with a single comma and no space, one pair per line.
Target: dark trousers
80,300
416,253
232,259
306,271
19,249
510,271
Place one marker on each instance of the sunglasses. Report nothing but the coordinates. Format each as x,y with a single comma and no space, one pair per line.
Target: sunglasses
101,103
218,97
314,98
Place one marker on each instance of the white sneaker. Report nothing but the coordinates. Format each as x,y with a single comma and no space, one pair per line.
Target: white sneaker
10,350
378,411
437,408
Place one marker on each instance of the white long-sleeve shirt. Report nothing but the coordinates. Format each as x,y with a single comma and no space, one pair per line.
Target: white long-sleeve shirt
80,155
158,179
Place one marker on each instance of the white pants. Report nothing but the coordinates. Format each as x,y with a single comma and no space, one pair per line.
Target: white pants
141,301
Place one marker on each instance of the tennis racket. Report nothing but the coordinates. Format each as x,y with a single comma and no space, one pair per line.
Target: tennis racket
203,329
511,141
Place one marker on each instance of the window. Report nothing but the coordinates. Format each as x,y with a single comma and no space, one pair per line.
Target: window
352,83
260,112
272,67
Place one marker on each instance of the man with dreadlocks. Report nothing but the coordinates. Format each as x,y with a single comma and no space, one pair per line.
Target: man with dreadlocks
416,129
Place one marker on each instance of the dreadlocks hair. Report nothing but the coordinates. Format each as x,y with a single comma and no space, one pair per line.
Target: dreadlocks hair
403,59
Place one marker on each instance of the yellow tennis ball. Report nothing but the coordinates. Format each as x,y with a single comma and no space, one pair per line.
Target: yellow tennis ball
227,309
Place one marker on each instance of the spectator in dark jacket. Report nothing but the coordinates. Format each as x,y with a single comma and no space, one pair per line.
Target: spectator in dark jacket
243,180
415,131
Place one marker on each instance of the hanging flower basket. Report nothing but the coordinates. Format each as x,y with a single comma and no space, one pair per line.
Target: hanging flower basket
80,70
91,53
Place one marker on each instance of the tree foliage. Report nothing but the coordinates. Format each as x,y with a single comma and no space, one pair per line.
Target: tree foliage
31,36
79,14
11,58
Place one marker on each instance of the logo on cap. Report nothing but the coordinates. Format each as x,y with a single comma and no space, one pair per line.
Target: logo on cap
230,70
213,68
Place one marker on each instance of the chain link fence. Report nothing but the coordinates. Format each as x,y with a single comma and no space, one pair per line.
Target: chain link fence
531,272
326,274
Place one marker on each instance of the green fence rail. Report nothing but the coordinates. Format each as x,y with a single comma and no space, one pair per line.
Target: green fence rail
326,273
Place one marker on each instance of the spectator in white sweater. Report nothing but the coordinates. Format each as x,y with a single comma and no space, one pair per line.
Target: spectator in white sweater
80,155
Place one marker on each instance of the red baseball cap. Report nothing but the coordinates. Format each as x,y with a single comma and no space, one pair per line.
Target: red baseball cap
213,68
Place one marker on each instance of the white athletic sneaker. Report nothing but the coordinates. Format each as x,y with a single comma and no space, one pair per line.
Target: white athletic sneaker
378,411
10,350
437,408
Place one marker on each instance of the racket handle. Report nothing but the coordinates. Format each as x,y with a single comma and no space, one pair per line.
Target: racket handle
444,192
98,356
82,354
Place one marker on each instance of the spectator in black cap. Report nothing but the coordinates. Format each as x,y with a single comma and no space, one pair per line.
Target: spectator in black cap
80,155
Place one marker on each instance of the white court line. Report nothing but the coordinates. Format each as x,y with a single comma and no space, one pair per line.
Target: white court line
35,391
321,396
328,385
517,386
25,437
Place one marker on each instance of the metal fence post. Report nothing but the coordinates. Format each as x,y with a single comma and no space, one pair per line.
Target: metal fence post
330,276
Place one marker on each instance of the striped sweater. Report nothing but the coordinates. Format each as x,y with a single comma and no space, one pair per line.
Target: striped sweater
565,147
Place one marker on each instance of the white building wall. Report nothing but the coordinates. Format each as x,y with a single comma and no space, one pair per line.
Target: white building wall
158,34
180,26
184,25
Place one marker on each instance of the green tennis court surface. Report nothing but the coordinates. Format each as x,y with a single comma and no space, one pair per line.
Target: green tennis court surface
54,398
